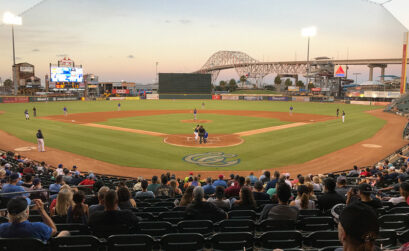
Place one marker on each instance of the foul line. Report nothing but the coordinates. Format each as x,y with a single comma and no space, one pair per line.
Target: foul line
126,129
270,129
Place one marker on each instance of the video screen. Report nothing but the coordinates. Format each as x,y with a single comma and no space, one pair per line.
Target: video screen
185,83
66,74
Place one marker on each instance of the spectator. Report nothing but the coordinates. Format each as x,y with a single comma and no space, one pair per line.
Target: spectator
63,202
366,172
358,227
89,181
265,177
354,172
341,188
12,187
247,182
39,195
187,197
137,187
209,188
282,211
273,182
28,181
75,179
404,194
67,176
258,192
111,216
220,182
246,201
60,169
154,185
303,200
164,190
330,198
144,193
364,196
253,179
219,199
316,184
78,213
174,185
235,189
28,169
100,206
124,199
19,226
55,188
202,210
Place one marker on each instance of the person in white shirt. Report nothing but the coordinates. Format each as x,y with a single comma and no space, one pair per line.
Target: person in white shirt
404,194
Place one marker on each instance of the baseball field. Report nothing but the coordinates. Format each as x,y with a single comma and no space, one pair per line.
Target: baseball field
243,135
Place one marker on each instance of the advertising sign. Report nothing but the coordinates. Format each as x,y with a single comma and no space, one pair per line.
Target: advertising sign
26,69
230,97
340,71
152,96
316,89
293,88
278,98
120,91
15,99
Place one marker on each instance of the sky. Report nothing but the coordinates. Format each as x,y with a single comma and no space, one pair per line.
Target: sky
122,40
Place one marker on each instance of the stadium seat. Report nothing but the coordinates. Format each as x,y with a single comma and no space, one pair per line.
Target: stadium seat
280,239
399,210
155,209
404,236
179,209
182,241
35,218
164,204
58,219
310,224
18,244
204,227
276,225
74,228
232,241
242,215
77,242
386,238
171,216
106,231
321,239
145,216
332,248
308,213
155,228
236,226
395,222
130,242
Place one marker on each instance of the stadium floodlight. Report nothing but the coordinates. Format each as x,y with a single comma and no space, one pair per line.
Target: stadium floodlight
308,32
11,19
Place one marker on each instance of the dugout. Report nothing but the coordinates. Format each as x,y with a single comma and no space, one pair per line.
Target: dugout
185,86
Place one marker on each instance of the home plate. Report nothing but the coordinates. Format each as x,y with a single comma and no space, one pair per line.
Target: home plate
72,121
371,146
312,120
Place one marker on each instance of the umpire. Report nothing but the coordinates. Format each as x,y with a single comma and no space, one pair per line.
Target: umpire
202,132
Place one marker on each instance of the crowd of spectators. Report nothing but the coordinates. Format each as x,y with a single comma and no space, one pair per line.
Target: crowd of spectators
73,197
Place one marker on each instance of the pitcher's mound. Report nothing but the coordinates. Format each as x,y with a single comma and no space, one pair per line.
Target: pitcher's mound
198,121
214,140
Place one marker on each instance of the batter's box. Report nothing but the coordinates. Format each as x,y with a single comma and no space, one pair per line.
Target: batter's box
209,140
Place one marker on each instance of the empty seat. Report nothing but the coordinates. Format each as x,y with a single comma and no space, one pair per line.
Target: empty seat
130,242
195,226
394,221
404,236
332,248
276,225
321,239
310,224
76,242
399,210
74,228
59,219
232,241
386,238
172,216
179,209
18,244
106,231
155,209
155,228
182,241
281,239
308,213
242,214
145,216
236,226
167,204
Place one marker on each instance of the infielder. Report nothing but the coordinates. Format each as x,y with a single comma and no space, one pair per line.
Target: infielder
343,116
119,107
40,141
34,111
337,112
196,132
65,111
291,110
27,115
194,114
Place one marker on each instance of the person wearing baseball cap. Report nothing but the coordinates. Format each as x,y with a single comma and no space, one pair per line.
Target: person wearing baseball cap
12,187
19,226
363,195
220,182
358,227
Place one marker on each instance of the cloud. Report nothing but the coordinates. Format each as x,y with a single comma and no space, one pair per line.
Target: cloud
185,21
19,58
35,50
62,55
168,21
130,56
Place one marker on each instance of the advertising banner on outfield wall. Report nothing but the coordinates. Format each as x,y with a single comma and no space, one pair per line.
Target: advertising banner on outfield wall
230,97
279,98
15,99
293,88
120,91
132,98
253,98
381,94
301,99
216,97
152,96
117,98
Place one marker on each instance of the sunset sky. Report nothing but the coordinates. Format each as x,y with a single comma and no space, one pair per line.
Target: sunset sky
122,40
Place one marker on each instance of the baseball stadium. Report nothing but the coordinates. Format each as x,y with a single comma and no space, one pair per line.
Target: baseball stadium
186,125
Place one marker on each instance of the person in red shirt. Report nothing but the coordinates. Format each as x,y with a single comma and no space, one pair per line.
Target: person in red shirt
235,189
366,172
89,181
28,170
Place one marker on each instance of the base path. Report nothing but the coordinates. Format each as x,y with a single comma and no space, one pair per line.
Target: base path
124,129
270,129
389,138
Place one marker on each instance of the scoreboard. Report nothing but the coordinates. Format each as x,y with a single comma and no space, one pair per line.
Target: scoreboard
66,85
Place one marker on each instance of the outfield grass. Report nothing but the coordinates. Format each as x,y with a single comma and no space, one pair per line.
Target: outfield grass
267,150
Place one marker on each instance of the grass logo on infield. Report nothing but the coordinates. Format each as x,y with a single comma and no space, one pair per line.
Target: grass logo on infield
212,159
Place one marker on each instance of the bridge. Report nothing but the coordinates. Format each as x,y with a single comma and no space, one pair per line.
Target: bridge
248,66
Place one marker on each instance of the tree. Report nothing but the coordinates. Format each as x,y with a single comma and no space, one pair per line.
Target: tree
300,84
288,82
223,85
310,86
277,80
243,79
8,84
232,85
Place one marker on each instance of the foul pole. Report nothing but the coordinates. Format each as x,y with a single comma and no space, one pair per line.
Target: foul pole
404,62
